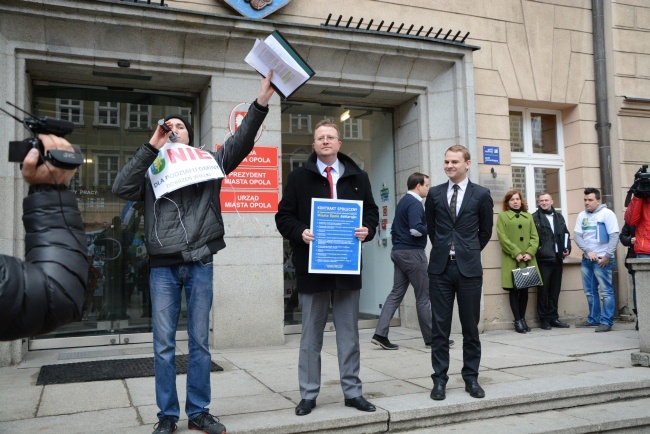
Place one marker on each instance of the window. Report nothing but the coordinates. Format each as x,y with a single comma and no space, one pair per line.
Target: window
107,114
537,154
138,116
186,112
298,158
300,123
107,169
352,129
70,110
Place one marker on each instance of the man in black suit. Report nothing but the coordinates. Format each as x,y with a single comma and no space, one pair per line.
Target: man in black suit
459,223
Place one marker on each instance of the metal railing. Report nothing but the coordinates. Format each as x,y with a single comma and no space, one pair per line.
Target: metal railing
391,28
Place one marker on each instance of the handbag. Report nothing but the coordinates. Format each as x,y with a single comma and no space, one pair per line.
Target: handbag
524,278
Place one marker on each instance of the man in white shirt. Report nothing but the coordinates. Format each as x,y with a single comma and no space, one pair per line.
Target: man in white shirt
596,233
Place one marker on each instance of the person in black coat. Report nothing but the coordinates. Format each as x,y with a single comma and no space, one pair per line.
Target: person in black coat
48,289
327,174
459,223
554,246
628,239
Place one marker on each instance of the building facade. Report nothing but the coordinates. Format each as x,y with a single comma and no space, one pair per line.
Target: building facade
519,92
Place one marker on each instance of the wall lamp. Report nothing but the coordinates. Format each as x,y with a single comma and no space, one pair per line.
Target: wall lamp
345,116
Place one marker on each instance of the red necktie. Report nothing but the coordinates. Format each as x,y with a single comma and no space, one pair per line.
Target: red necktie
330,180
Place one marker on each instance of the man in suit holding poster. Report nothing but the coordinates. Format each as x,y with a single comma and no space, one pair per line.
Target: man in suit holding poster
332,175
459,223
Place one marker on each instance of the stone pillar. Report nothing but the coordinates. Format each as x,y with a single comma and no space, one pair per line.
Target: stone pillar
641,268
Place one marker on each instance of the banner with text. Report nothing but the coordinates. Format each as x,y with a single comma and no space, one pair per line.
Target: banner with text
179,165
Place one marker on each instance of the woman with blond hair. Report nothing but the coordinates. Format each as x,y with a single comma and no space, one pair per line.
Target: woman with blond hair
519,241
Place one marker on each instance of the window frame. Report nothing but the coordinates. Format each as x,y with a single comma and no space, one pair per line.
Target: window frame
140,112
530,160
97,157
299,119
99,107
60,105
348,129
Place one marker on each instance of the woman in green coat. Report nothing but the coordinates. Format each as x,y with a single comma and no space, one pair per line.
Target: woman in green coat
519,241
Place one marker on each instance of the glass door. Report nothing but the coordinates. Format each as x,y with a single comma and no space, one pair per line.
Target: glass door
109,126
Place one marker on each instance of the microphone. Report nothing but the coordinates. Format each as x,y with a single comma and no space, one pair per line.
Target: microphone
173,136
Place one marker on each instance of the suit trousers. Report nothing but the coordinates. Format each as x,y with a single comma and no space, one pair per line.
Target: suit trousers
345,311
410,266
443,288
549,293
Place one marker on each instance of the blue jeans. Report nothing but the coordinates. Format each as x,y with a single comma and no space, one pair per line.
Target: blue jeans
166,284
592,277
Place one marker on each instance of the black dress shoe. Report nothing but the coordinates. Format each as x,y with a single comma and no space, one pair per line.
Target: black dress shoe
559,324
545,326
383,342
359,403
438,391
304,406
519,327
523,321
474,389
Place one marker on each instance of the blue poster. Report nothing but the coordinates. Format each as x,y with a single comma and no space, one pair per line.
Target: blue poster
335,249
491,155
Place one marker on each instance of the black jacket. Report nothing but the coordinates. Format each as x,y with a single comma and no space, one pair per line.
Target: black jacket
294,216
47,290
185,225
548,240
627,233
470,232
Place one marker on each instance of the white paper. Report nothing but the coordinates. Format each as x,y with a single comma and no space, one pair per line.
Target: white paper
179,165
566,241
286,77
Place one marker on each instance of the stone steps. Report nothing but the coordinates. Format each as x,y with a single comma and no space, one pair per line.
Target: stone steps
417,411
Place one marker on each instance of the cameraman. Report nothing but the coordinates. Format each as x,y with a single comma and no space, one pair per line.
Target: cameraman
47,290
638,214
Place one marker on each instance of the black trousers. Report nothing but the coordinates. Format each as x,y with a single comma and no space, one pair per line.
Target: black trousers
443,288
549,293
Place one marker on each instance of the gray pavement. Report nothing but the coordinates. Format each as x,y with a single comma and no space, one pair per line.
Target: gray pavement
531,381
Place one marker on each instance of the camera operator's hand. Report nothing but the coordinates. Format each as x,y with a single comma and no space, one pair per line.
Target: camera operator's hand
41,175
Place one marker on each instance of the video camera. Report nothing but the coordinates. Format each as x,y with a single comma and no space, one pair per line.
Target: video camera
641,186
64,159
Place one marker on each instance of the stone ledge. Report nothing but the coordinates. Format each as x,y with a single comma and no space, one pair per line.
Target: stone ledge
641,359
530,396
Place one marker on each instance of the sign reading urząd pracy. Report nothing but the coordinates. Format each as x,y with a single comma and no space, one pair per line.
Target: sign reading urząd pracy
179,165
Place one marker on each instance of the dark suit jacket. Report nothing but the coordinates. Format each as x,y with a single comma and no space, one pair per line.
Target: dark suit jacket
294,216
470,232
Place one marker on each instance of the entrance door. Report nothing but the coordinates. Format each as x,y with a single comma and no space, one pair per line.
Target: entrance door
109,126
367,136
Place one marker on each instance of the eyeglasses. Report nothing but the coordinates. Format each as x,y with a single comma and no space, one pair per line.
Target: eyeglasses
328,138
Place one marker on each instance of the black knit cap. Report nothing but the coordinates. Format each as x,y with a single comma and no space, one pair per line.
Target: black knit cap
188,126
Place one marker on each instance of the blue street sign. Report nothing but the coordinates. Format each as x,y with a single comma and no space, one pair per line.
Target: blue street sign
491,155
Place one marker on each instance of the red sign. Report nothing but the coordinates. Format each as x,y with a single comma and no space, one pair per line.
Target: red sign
385,210
384,222
252,178
260,156
244,201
